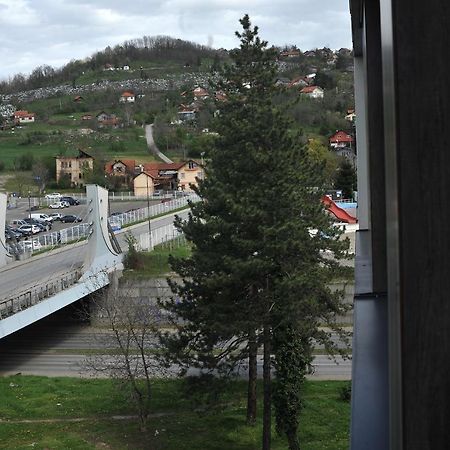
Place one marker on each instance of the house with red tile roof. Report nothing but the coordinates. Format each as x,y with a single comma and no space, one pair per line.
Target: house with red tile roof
312,92
200,93
21,117
168,176
341,139
127,97
299,82
120,167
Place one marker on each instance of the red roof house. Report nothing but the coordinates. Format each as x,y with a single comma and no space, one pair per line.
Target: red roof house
341,139
312,91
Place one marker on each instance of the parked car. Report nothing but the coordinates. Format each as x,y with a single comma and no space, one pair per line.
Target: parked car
43,226
41,217
11,235
56,216
33,229
70,218
115,225
53,196
16,223
58,205
70,200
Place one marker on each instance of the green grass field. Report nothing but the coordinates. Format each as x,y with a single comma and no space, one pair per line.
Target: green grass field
67,413
61,136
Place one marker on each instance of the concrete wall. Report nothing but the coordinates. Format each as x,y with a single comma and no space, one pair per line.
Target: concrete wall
148,291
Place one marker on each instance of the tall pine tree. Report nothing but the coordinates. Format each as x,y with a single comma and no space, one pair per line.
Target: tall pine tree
263,247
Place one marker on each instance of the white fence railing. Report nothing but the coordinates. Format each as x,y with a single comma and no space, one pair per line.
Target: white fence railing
80,231
159,236
115,197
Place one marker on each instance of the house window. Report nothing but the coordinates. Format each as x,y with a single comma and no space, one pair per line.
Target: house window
182,174
192,165
80,176
70,164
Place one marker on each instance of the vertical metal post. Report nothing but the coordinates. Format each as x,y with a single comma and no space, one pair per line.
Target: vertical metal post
149,222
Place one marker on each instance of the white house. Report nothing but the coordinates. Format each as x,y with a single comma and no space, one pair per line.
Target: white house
127,97
23,117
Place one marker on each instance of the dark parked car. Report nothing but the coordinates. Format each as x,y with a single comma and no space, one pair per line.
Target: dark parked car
70,218
10,233
70,200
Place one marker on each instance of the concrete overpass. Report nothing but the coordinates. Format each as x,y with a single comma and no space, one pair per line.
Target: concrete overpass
37,287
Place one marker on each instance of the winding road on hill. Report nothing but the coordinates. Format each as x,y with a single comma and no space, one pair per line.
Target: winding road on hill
152,146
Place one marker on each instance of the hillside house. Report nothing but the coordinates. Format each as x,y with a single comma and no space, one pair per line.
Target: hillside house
186,113
292,53
107,120
350,115
127,97
340,140
121,171
78,99
22,117
298,82
173,176
312,92
200,94
145,184
75,167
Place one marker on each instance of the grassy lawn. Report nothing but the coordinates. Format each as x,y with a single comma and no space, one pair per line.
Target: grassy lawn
156,262
175,426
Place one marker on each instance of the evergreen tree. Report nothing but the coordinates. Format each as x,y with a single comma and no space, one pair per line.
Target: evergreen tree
256,268
346,179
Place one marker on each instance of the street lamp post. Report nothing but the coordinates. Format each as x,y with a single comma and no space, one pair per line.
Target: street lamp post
149,223
29,216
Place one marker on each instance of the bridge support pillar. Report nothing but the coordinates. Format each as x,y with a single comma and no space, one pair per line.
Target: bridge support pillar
103,252
3,250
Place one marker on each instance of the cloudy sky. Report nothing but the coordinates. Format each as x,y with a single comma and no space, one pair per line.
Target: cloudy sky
37,32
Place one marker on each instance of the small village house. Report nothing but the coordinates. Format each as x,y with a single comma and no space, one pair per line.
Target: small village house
341,139
169,176
22,117
74,167
127,97
312,92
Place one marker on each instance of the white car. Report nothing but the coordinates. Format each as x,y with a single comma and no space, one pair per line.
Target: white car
53,196
58,205
33,229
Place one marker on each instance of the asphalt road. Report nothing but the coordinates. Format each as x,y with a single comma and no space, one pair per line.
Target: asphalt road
22,275
57,350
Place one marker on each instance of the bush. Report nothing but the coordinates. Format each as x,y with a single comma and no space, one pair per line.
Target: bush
132,260
345,392
2,166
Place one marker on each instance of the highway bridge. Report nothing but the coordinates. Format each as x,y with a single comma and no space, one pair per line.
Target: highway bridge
34,288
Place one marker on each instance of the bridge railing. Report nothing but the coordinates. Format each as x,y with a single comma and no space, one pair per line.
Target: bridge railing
30,297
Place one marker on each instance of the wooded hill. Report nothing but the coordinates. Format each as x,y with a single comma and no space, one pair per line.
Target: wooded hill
140,55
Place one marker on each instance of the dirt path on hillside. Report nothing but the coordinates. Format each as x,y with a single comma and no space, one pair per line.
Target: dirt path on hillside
152,146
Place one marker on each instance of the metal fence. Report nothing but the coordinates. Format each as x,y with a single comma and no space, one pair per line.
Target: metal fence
80,231
115,197
34,295
166,235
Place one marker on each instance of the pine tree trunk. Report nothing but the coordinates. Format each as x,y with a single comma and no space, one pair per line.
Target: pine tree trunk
252,375
293,440
267,412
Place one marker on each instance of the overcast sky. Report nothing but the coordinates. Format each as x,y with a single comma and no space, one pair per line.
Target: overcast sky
37,32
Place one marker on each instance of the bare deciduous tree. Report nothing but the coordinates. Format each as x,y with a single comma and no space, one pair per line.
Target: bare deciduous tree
127,343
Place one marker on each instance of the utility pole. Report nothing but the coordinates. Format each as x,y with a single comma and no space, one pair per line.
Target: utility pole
149,223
